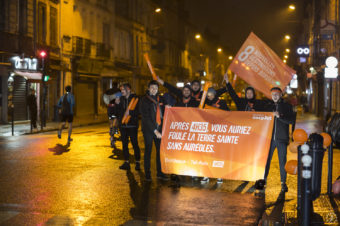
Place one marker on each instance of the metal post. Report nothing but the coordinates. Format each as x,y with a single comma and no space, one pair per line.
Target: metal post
12,120
299,183
330,169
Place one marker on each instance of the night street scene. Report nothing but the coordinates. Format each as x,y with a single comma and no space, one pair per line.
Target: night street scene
169,112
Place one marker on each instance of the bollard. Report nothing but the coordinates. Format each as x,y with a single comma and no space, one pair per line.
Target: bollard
317,152
330,169
305,203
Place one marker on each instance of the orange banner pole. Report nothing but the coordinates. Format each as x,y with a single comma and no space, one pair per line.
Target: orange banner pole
234,80
205,91
133,106
146,56
127,110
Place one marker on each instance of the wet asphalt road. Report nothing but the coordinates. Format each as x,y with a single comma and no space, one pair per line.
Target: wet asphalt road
45,182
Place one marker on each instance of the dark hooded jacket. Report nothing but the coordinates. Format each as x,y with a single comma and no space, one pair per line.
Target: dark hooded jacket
281,124
244,104
121,108
217,103
148,111
198,94
182,102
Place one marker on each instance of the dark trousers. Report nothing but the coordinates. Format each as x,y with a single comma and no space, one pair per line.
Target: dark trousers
148,138
131,132
33,115
282,153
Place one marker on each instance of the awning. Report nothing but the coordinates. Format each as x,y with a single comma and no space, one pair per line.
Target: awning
29,75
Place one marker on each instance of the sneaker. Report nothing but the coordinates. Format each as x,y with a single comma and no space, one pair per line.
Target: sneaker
260,184
125,166
137,167
59,134
162,177
205,180
219,180
284,188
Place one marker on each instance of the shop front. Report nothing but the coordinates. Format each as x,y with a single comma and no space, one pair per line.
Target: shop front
22,79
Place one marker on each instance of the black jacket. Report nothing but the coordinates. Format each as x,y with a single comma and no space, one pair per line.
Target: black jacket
217,103
244,104
192,102
148,111
281,124
121,108
198,95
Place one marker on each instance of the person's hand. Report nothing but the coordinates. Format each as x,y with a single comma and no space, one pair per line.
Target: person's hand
226,78
158,134
160,81
168,106
277,115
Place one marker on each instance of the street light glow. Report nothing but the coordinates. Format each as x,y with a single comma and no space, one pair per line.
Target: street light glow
158,10
287,37
219,50
230,57
284,61
287,50
198,36
291,7
285,56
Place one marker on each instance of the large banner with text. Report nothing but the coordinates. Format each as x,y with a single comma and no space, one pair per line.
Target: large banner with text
260,67
214,143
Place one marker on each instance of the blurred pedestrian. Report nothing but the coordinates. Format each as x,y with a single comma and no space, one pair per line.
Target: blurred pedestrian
129,129
33,107
65,105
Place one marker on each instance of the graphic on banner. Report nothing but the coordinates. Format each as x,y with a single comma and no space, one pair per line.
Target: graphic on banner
215,143
260,67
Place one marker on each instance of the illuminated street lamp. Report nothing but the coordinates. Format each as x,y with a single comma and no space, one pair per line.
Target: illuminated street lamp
219,50
287,37
230,57
284,61
291,7
198,36
158,10
285,56
287,50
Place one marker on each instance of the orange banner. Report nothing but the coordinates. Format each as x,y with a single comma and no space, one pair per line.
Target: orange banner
260,67
213,143
146,56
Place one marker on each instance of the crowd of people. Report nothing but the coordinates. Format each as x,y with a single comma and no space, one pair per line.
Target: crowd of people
125,109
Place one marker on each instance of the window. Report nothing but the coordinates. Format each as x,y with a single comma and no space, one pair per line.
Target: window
41,23
53,26
23,16
106,34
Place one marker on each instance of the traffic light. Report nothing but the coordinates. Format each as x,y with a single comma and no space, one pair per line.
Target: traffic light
46,78
42,53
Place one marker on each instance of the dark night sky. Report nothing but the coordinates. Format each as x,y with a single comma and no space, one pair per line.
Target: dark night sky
233,20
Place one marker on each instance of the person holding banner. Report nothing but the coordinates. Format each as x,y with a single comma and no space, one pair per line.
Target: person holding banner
213,101
283,117
152,111
249,102
128,124
185,95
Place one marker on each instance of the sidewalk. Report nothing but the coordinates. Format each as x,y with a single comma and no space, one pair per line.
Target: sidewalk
24,127
282,210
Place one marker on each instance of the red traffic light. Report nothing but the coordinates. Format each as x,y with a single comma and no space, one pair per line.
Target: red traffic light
42,53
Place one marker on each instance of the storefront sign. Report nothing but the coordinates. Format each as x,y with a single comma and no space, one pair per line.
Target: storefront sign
25,63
